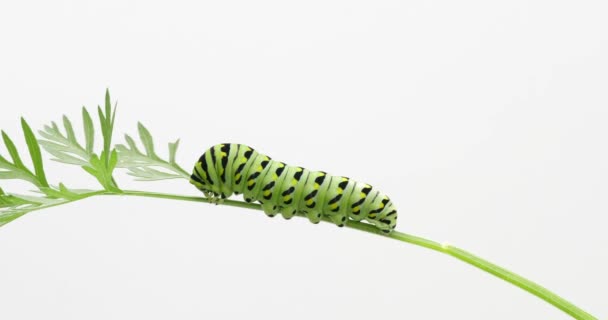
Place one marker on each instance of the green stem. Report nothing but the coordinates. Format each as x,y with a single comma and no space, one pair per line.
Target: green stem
486,266
458,253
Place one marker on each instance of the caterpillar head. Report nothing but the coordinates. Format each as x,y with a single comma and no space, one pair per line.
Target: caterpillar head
200,180
199,177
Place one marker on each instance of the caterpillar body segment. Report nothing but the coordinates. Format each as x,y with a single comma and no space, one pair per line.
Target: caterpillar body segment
228,168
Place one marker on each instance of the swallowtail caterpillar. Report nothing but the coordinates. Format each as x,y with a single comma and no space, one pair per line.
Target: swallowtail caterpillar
230,168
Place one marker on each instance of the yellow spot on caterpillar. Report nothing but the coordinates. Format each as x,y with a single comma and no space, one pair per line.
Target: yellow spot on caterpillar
238,175
372,216
267,193
309,202
362,195
286,198
316,186
250,182
294,182
340,190
356,209
333,206
260,168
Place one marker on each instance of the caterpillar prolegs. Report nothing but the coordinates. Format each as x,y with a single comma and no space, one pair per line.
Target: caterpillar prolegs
230,168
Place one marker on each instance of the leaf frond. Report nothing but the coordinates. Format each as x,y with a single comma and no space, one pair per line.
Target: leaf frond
12,206
66,148
17,169
144,164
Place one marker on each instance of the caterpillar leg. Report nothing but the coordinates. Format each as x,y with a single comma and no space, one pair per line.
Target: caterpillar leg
380,225
270,209
385,229
313,216
338,219
214,197
287,212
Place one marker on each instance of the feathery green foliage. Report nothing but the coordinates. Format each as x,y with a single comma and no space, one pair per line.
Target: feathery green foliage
34,148
66,148
13,206
17,169
106,120
141,164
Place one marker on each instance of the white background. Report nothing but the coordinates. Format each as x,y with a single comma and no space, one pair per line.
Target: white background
484,121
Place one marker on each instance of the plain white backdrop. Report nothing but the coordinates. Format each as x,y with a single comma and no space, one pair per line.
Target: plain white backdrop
485,122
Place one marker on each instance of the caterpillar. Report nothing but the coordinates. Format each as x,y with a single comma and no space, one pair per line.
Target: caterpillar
229,168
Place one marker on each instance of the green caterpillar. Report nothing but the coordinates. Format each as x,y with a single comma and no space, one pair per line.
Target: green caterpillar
230,168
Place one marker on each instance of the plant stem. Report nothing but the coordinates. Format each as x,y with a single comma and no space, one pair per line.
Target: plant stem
458,253
486,266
